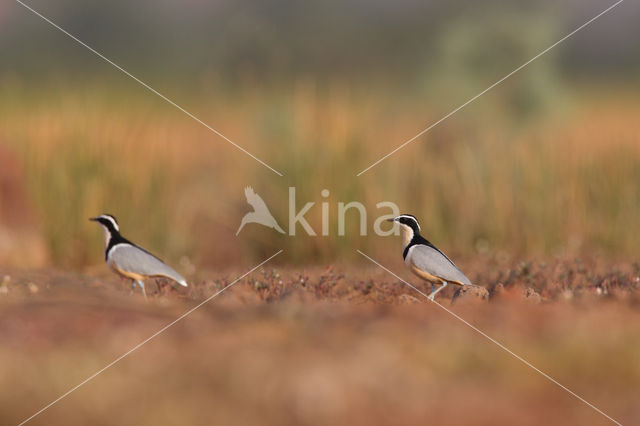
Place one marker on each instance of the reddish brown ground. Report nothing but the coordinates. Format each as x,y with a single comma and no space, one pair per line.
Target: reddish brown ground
343,345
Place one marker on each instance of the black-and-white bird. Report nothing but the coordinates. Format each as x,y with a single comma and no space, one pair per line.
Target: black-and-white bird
424,259
130,260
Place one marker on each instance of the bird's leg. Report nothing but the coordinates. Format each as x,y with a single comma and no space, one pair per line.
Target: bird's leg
133,286
141,284
432,295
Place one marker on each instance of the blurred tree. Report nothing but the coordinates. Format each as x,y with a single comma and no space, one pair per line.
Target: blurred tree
474,52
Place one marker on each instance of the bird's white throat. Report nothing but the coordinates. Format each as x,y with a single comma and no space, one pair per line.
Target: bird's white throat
107,236
407,235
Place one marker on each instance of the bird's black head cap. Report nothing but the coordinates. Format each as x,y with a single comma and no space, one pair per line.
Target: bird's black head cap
408,220
108,221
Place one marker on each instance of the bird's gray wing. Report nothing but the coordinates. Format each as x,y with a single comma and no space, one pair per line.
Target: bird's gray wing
432,261
130,258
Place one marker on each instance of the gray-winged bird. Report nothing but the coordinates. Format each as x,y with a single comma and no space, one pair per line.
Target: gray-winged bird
130,260
424,259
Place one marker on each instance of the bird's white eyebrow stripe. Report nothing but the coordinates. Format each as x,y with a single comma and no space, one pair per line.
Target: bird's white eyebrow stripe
406,216
112,220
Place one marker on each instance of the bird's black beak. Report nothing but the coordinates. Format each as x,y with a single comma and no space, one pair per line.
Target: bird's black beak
393,219
95,219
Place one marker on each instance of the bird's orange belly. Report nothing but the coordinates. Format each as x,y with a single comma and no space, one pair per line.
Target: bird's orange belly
127,274
431,278
425,275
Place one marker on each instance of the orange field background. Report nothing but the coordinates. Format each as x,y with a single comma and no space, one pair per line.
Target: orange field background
533,189
566,185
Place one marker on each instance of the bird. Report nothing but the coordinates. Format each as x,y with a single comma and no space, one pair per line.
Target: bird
424,259
260,213
129,260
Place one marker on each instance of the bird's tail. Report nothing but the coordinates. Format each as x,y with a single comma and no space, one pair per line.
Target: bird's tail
172,274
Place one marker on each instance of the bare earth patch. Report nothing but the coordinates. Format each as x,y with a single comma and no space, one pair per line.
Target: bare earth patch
314,346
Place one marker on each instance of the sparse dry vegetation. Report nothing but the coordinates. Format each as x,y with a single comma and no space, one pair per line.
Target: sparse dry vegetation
563,185
318,345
